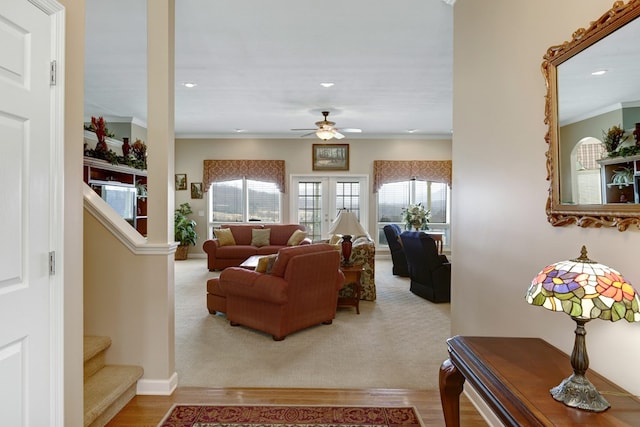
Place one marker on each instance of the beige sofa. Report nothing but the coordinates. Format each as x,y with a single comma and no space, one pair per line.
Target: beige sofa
220,256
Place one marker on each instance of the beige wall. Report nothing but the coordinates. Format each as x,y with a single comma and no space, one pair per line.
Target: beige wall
127,298
501,235
74,140
190,154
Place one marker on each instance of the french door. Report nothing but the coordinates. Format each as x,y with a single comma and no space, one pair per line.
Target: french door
316,201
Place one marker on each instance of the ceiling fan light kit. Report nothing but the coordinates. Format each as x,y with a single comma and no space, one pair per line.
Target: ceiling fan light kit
326,130
324,134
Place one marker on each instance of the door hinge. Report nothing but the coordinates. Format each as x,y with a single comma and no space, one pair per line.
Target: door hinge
52,74
52,263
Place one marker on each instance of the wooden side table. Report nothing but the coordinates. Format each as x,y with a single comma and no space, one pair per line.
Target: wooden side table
352,274
514,376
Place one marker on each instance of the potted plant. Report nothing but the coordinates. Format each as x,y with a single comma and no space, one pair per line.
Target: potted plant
185,230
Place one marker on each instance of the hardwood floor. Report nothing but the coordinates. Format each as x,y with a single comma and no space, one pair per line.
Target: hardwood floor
149,410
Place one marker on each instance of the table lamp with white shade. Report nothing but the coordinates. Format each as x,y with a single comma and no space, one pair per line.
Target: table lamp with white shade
347,225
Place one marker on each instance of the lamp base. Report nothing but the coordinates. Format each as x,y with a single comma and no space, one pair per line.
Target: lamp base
578,392
346,250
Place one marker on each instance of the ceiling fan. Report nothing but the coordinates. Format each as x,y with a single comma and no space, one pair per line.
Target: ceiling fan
325,129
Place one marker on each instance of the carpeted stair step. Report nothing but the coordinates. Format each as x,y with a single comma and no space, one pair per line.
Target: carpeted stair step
94,351
107,391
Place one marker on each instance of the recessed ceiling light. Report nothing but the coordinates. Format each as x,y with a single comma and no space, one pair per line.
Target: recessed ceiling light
412,130
240,130
599,72
327,84
189,84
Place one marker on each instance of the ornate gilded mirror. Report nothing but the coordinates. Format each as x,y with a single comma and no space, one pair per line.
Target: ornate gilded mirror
593,112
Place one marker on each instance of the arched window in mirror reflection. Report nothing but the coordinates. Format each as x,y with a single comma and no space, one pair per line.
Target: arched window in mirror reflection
586,176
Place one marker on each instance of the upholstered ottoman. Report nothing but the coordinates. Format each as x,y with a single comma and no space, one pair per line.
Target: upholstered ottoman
216,299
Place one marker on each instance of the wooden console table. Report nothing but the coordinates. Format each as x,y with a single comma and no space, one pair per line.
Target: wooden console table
514,375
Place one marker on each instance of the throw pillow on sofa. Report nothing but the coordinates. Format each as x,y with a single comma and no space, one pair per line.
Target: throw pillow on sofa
224,236
297,237
260,237
265,263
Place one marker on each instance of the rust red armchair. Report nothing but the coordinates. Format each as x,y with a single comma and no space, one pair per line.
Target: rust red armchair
300,292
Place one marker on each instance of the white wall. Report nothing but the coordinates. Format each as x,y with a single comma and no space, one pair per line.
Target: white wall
190,154
501,236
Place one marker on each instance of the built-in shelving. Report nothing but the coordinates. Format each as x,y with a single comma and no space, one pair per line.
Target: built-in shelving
616,192
121,187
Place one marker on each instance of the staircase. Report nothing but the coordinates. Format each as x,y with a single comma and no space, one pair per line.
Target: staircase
107,388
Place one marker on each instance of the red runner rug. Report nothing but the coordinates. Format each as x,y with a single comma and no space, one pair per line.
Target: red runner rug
290,416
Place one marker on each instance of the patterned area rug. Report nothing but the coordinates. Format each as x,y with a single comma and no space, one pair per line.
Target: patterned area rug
290,416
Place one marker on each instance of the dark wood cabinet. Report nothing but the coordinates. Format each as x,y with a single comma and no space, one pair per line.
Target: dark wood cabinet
122,187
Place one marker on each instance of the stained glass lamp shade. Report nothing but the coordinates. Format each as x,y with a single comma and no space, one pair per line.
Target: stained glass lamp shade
585,290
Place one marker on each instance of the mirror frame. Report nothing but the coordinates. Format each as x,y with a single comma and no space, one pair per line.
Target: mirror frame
606,215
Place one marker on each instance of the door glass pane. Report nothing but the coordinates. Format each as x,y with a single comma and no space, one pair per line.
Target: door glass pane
348,197
226,201
310,208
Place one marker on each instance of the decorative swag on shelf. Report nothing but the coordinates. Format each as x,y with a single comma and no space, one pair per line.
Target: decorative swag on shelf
388,171
260,170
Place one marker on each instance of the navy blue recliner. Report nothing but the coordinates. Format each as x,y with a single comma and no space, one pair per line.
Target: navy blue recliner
392,233
429,271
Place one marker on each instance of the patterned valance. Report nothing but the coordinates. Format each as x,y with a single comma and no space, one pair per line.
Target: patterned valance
387,171
259,170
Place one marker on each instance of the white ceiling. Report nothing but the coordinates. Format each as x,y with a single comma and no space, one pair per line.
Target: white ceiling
258,66
582,95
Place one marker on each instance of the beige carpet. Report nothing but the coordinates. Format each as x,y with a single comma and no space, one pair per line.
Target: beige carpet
397,341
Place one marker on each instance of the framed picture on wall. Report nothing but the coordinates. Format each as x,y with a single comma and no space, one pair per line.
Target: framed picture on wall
330,157
196,190
181,181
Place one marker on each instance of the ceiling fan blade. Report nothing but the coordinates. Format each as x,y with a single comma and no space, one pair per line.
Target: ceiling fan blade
307,134
351,130
337,135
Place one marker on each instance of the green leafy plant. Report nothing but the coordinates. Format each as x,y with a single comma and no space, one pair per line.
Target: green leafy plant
626,151
184,228
613,137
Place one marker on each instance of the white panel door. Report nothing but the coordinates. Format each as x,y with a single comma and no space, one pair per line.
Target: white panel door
25,140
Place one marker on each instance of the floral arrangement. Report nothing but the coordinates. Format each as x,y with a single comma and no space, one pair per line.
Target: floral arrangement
102,151
139,150
416,216
99,126
613,137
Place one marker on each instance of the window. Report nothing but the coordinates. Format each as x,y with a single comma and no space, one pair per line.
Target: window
394,197
243,200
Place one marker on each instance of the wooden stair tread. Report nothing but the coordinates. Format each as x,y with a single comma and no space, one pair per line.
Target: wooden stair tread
106,386
94,345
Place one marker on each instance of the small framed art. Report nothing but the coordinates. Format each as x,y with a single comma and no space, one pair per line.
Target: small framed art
196,190
181,181
330,157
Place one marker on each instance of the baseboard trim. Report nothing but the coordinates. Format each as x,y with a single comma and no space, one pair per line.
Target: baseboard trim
157,387
482,407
